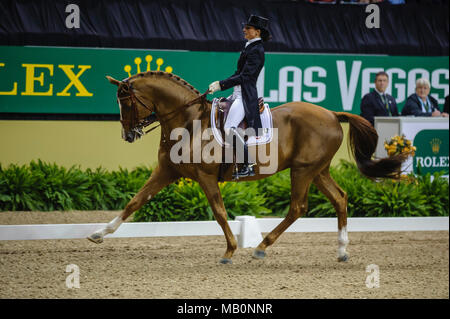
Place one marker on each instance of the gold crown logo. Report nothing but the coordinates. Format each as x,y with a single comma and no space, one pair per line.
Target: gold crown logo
435,145
148,59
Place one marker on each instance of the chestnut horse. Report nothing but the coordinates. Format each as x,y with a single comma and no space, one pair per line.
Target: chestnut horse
308,138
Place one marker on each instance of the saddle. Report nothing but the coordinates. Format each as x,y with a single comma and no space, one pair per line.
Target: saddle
224,108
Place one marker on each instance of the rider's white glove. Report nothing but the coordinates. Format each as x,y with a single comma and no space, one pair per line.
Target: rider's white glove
214,87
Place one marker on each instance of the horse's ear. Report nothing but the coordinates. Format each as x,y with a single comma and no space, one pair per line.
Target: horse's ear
112,80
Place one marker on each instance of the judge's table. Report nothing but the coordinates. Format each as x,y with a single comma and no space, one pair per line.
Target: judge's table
428,134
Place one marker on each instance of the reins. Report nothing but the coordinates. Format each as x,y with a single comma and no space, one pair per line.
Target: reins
135,122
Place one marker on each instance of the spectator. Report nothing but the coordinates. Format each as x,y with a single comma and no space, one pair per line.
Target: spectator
377,102
421,103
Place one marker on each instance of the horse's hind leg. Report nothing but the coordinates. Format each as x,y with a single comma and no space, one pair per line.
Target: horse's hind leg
300,182
158,180
338,198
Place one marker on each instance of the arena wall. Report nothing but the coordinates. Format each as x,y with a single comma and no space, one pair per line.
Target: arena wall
90,144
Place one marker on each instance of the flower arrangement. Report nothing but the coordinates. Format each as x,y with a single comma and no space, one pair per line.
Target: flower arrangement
399,145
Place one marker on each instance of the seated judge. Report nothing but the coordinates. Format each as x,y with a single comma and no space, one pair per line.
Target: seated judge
421,103
377,102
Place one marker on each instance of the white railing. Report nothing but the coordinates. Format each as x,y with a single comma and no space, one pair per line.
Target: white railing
248,229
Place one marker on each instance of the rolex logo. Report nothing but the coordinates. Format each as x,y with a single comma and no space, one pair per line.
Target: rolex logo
148,59
435,145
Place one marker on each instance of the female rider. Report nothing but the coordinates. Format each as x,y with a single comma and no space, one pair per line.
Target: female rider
243,81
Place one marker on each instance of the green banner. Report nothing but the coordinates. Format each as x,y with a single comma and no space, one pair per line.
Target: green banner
72,80
432,151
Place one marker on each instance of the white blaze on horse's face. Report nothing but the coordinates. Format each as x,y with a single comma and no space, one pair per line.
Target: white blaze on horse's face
127,132
120,108
121,116
124,135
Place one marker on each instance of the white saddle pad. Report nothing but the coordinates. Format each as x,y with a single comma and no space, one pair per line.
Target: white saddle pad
266,121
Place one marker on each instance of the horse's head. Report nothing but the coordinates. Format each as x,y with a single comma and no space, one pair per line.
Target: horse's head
136,111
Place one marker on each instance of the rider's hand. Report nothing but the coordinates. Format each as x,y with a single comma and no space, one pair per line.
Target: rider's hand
214,87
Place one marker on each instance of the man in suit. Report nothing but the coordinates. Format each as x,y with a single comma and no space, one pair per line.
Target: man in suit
243,81
422,103
377,102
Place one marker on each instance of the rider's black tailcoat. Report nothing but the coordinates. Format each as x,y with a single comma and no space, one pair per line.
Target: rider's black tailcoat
249,66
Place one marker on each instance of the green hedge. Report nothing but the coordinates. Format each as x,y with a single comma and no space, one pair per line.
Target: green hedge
45,187
421,196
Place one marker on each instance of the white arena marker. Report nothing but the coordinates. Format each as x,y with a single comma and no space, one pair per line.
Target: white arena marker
250,234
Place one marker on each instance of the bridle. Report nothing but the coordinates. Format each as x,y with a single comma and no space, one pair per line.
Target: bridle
138,125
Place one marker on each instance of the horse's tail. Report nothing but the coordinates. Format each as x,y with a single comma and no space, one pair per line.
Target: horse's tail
363,139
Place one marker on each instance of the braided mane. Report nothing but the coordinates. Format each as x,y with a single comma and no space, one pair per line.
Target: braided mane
170,76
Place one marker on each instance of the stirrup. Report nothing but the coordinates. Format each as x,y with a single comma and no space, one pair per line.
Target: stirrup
246,171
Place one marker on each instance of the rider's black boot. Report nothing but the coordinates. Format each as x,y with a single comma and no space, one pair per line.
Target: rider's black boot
247,167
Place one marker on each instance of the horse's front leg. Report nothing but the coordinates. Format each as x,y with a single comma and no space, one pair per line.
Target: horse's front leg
211,188
160,178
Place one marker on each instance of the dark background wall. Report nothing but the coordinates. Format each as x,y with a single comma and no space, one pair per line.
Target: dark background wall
420,28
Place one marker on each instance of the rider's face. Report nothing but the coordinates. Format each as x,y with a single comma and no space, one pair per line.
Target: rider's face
250,32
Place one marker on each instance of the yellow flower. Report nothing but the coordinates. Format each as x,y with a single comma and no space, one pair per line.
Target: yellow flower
222,184
392,147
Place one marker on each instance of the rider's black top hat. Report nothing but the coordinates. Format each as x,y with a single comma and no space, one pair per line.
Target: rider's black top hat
257,22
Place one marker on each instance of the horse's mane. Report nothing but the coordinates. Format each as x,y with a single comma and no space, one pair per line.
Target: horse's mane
170,76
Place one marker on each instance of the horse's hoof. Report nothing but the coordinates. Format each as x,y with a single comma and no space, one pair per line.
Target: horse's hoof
259,254
96,238
343,258
226,261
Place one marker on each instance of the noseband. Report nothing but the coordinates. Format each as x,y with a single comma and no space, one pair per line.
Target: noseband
136,124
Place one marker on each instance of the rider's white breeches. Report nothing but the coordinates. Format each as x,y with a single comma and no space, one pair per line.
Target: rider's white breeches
235,115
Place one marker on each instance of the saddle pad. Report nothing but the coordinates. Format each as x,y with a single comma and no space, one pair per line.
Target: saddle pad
266,120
